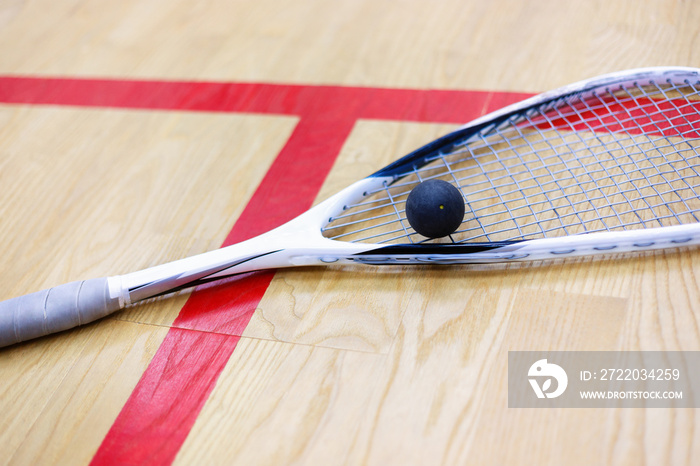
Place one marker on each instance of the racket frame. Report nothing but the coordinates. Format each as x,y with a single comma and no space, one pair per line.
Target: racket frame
301,243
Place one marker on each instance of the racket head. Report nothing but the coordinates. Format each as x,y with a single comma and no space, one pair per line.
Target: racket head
602,166
617,153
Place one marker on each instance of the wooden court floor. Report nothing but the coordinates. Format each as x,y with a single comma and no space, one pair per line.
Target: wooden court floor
138,132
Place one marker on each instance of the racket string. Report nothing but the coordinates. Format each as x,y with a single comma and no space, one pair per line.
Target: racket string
396,211
659,172
453,179
619,158
625,172
537,180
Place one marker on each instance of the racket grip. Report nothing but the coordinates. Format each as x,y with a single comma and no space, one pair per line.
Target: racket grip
55,309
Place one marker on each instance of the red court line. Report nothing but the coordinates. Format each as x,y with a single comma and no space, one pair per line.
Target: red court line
287,190
160,412
446,106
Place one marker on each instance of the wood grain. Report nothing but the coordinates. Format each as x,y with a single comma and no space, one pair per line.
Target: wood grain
338,365
255,402
60,400
506,44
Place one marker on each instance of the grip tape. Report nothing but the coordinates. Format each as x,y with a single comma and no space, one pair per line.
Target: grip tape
55,309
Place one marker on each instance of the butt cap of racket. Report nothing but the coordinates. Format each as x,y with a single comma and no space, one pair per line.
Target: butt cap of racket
55,309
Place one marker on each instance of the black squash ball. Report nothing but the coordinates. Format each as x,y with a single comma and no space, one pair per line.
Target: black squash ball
435,208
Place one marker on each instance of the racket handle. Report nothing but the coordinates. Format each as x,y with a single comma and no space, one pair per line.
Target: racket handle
55,309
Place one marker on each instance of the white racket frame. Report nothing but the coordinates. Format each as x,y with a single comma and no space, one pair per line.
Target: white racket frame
301,243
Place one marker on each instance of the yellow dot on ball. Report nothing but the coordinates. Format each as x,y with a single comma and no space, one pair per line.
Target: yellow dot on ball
442,206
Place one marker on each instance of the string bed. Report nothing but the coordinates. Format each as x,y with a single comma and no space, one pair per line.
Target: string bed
613,159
